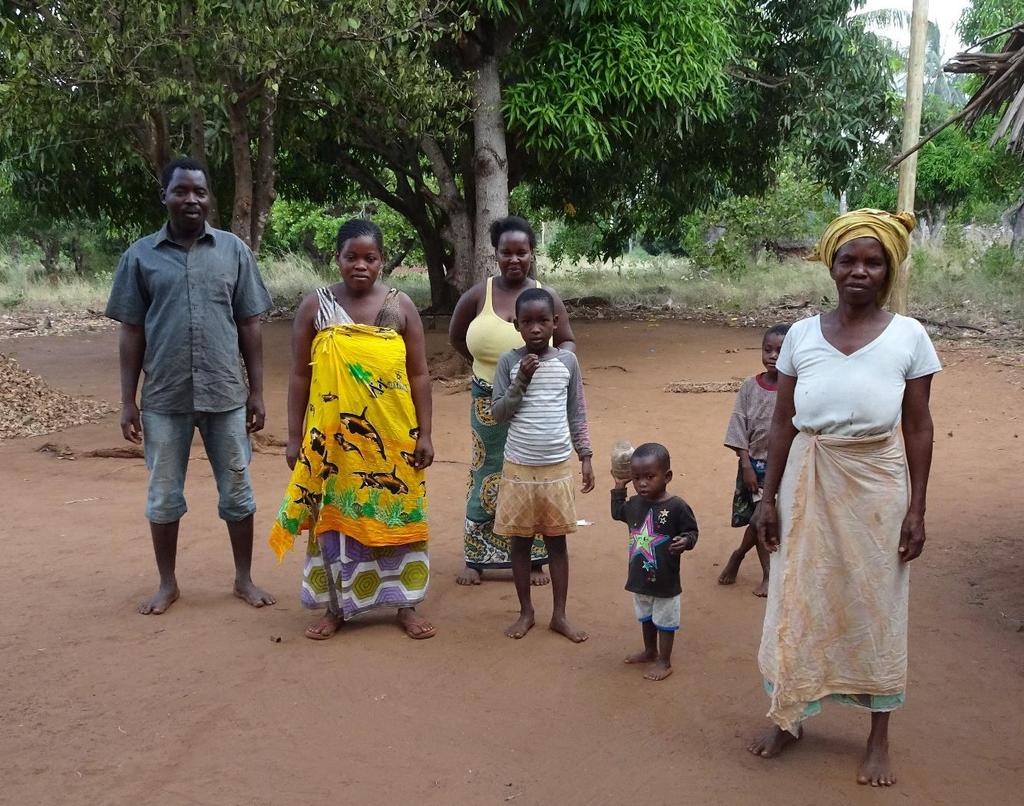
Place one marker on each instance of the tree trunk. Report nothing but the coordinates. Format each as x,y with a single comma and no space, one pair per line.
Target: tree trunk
197,118
152,140
77,255
50,247
1014,218
241,161
443,295
197,150
490,165
458,231
397,256
264,191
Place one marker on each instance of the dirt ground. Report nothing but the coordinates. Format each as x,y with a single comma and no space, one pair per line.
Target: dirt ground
218,703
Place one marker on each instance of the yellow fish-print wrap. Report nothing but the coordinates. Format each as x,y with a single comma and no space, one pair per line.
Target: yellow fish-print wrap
355,463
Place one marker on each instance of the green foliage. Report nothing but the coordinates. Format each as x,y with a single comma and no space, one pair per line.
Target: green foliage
632,112
574,241
953,238
795,209
958,173
312,229
999,261
93,99
72,245
983,17
605,71
735,82
301,226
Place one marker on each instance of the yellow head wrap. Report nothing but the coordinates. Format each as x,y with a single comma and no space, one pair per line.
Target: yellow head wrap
890,230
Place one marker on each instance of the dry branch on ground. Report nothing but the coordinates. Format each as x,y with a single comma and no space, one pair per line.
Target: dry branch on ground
704,386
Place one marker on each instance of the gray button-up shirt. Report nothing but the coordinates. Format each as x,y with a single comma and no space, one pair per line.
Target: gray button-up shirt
187,301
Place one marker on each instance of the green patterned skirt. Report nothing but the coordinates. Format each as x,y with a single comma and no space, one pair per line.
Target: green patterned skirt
482,548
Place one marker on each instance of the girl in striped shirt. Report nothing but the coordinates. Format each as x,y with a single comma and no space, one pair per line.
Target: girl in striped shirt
539,389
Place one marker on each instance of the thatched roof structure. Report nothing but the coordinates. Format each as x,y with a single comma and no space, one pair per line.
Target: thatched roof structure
1003,87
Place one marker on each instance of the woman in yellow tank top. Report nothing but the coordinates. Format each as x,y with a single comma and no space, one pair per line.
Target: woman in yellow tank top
481,330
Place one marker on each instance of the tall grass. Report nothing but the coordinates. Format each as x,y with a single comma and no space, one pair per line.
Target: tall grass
640,280
955,282
24,286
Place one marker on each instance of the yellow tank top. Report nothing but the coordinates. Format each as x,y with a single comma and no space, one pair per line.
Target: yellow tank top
488,336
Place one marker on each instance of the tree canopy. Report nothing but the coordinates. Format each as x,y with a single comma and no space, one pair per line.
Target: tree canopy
623,114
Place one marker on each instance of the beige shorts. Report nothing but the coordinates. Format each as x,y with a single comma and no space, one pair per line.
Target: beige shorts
536,500
664,612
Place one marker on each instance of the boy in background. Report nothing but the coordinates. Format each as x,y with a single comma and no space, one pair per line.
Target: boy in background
747,435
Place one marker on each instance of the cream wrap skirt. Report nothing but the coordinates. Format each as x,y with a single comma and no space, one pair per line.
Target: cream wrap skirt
836,617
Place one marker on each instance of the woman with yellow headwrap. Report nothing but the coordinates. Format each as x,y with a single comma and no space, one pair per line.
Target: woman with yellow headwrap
844,497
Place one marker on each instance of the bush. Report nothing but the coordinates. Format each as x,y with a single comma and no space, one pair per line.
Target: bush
999,261
310,229
574,241
795,209
953,238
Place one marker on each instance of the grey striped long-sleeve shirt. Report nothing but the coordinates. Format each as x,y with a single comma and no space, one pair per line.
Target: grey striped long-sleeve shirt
548,416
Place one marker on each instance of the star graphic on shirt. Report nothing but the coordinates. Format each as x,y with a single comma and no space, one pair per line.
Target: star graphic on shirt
644,540
662,517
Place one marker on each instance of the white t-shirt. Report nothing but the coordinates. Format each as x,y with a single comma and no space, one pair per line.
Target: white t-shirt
859,394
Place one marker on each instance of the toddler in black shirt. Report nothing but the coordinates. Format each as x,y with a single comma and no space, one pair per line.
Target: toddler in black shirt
661,528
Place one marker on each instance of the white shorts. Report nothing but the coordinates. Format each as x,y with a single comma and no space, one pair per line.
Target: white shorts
664,612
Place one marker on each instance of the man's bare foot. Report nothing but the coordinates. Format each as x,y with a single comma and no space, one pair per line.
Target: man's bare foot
732,568
521,627
876,768
644,656
660,670
773,742
538,576
468,576
324,627
561,625
762,589
415,626
250,594
160,601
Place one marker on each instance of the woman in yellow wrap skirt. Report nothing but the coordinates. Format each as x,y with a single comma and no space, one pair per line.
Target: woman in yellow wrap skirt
359,419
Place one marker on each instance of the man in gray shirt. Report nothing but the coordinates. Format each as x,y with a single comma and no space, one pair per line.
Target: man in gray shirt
189,299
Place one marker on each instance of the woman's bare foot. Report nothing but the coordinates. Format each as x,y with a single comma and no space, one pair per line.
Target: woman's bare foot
561,625
762,589
324,627
732,568
538,576
522,625
773,742
468,576
643,656
660,670
415,626
160,601
250,594
876,769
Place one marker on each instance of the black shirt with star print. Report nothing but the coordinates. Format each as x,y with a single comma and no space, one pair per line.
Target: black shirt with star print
653,571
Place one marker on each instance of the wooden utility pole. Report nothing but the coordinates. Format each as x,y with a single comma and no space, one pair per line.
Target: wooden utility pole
911,133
